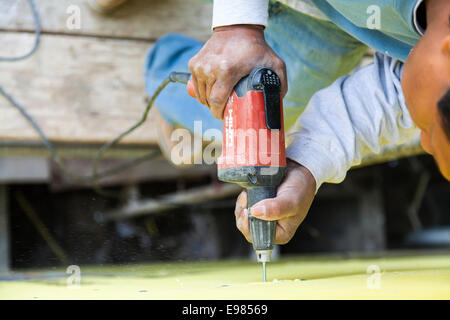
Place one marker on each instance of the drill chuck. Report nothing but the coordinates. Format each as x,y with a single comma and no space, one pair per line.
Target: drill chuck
262,231
259,186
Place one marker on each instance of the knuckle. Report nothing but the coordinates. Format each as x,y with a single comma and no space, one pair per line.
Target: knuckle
192,63
198,68
225,66
284,238
217,114
282,65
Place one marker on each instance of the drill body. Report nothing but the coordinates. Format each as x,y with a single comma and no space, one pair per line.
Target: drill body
253,148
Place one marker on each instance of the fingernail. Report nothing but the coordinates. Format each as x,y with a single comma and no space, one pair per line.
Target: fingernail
258,211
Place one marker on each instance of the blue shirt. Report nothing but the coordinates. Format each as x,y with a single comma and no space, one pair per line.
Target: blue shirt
398,30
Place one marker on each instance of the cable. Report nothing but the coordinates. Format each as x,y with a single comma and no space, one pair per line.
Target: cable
37,32
95,176
39,131
113,142
173,77
55,157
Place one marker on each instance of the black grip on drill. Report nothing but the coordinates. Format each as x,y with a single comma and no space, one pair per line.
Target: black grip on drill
266,80
271,87
263,232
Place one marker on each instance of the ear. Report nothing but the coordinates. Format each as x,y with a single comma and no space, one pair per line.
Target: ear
446,46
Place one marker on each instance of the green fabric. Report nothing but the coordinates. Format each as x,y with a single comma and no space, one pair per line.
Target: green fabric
316,53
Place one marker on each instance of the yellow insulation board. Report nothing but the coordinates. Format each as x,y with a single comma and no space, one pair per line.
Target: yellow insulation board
324,277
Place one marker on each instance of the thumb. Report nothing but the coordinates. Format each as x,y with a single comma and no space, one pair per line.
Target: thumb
280,207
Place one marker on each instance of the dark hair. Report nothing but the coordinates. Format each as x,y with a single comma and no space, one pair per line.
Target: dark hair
444,110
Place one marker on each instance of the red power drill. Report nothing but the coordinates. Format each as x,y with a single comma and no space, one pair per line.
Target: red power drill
253,146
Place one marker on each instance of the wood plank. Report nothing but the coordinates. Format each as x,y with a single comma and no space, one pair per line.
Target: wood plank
71,150
158,169
137,19
197,195
83,90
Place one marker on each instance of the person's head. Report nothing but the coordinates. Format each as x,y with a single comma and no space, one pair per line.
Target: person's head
426,84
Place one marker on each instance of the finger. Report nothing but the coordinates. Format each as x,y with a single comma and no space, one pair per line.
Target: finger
194,81
220,92
209,85
201,86
280,207
284,81
198,79
192,68
245,225
241,204
280,70
241,215
282,236
286,229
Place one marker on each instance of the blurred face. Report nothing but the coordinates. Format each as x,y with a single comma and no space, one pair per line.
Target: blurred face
426,79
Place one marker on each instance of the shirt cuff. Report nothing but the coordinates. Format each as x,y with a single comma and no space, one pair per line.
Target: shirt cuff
313,157
231,12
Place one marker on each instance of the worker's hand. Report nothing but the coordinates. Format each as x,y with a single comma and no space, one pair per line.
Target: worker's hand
289,207
230,54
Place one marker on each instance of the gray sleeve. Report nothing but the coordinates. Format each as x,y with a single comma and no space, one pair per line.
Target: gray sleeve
355,116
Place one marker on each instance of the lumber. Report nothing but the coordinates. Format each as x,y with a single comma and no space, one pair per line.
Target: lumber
79,90
137,19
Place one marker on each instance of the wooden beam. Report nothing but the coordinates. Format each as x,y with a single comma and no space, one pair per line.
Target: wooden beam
158,169
137,19
192,196
79,90
37,149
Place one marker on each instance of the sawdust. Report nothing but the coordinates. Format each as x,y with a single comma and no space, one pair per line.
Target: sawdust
408,277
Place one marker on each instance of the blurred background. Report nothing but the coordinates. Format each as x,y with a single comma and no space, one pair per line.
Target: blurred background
84,85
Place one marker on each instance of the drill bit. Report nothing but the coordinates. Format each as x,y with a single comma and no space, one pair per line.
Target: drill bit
264,271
